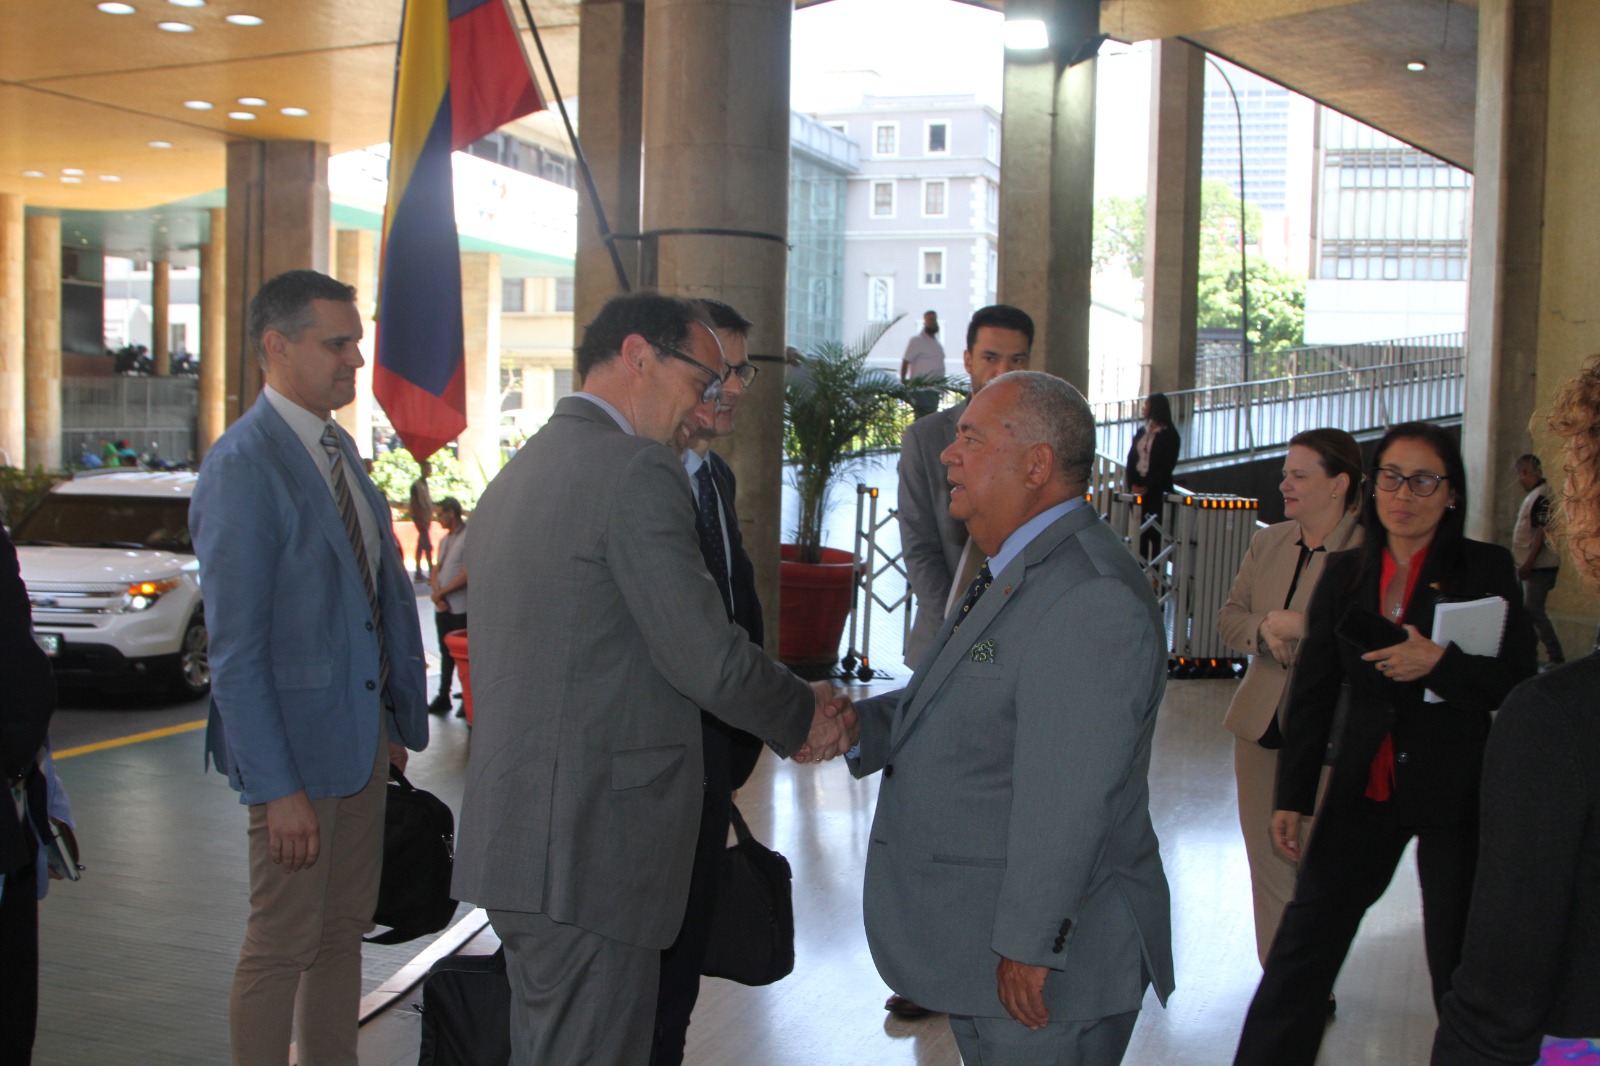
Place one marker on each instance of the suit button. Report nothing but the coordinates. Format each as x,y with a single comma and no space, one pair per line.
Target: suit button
888,771
1066,926
1402,757
369,627
371,685
1057,947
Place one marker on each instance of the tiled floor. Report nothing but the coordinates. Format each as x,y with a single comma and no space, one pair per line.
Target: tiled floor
138,955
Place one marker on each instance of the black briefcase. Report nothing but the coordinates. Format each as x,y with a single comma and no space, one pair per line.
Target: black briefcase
466,1012
418,856
752,929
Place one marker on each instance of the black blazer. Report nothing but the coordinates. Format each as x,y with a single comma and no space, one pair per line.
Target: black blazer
742,749
27,699
1438,746
1163,460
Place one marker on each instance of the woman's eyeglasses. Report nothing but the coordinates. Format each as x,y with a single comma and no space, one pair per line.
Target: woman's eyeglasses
1390,480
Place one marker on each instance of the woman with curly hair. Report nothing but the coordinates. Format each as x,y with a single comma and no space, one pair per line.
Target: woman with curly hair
1531,962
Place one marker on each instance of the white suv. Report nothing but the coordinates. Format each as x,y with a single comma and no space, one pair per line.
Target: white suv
114,583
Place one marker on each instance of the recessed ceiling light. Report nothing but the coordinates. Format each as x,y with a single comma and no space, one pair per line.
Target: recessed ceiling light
1416,64
116,9
295,112
197,105
74,171
245,20
252,101
242,116
160,144
187,3
109,177
33,173
175,27
70,180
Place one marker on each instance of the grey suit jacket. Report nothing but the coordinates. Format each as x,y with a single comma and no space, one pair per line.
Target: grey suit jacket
597,635
932,540
1013,815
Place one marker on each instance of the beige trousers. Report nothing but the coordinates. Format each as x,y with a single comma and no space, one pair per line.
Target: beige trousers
301,958
1271,875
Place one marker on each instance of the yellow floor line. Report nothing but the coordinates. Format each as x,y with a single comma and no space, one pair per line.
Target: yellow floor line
120,742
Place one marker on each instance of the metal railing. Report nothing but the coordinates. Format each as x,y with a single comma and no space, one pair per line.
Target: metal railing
1352,387
156,416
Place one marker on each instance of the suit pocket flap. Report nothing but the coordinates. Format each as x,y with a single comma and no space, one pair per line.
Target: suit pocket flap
631,769
305,673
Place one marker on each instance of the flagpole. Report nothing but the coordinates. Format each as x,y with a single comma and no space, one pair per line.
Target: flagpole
583,164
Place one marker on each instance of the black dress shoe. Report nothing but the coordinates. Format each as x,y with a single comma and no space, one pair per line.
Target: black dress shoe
440,705
901,1007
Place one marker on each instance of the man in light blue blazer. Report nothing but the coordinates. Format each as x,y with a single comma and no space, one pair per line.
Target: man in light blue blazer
318,677
1013,876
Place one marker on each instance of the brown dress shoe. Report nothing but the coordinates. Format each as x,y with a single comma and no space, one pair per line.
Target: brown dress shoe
901,1007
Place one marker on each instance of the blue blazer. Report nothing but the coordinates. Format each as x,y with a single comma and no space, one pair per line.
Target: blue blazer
294,655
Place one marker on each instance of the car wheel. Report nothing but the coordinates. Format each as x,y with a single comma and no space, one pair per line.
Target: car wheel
191,678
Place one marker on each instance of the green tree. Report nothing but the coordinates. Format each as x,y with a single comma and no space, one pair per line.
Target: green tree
1119,234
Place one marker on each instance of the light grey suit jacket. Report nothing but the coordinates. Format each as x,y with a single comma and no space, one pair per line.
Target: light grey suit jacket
932,540
1013,815
597,635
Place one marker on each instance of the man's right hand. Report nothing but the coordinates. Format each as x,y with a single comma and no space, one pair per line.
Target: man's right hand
293,836
834,729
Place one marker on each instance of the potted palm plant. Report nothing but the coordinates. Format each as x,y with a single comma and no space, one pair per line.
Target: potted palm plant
838,413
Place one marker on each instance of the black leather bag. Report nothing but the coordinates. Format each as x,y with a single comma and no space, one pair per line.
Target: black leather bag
752,929
466,1012
418,855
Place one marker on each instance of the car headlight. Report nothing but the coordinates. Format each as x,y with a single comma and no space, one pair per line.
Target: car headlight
142,595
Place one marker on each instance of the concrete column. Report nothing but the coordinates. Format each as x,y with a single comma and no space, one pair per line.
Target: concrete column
1508,212
213,330
717,156
480,335
42,342
13,391
1172,216
610,84
1047,184
277,220
160,309
356,263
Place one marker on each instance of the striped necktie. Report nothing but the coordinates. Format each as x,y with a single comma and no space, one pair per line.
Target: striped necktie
358,544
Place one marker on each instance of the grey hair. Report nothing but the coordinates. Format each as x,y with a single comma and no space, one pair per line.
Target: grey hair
1050,411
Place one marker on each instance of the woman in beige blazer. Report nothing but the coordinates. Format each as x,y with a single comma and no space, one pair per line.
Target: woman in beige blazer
1265,617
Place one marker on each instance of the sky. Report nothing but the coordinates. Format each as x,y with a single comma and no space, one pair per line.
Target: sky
845,49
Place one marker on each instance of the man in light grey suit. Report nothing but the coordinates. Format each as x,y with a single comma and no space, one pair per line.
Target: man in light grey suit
999,339
1013,875
597,636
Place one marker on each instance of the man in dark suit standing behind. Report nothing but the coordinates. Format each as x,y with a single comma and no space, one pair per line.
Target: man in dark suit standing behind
730,753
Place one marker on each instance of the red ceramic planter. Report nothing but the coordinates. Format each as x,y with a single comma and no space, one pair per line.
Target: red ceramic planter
814,604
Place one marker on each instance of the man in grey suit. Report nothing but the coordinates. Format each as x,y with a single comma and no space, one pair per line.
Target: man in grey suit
595,644
1013,875
999,339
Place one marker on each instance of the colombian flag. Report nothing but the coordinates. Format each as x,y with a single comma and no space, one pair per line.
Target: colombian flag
462,74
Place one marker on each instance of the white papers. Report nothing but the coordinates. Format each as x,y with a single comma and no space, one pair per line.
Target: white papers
1474,626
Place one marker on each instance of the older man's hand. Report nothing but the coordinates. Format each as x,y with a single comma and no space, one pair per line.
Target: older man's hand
834,728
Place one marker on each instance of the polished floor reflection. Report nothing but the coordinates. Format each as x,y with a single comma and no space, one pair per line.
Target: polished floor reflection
138,955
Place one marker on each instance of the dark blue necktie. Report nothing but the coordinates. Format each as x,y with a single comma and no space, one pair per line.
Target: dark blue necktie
974,591
709,524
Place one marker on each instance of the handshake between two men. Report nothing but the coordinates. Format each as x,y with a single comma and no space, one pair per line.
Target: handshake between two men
834,729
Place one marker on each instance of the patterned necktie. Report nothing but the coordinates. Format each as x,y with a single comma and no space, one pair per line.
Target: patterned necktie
358,544
975,590
709,524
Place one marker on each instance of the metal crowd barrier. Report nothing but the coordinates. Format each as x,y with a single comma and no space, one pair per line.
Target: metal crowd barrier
1199,542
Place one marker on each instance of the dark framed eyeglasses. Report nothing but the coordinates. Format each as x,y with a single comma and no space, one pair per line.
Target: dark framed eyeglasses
713,388
746,373
1390,480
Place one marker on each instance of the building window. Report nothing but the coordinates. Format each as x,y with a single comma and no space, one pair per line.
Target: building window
932,268
564,297
883,199
838,127
561,382
991,205
938,139
886,138
991,144
880,297
933,199
511,295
